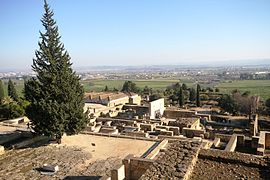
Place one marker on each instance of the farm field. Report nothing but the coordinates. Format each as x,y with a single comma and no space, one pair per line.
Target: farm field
19,85
99,85
256,87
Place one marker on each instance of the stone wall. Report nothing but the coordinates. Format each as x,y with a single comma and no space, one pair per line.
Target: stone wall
2,150
178,113
223,137
118,173
190,133
267,140
135,167
231,144
232,157
156,108
236,140
157,149
176,163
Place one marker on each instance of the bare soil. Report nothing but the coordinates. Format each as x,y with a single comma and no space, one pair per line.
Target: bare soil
80,156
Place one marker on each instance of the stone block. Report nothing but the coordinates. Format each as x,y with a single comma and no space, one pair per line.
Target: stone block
2,150
254,142
232,144
267,140
118,173
216,142
166,133
147,127
175,130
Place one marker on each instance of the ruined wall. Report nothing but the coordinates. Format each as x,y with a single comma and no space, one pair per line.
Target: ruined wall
156,107
223,137
135,100
232,157
177,113
267,140
136,167
176,163
118,173
231,144
190,133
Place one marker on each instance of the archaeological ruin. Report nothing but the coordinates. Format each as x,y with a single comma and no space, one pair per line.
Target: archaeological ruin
127,138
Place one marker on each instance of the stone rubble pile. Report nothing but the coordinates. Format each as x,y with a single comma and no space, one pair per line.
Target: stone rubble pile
175,163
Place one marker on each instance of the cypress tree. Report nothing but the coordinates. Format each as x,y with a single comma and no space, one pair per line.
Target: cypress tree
2,95
192,94
56,94
181,97
12,91
198,100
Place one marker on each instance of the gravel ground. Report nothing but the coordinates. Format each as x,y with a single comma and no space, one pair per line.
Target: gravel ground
229,165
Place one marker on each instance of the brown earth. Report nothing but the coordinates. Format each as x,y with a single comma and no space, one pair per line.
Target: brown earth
77,156
229,165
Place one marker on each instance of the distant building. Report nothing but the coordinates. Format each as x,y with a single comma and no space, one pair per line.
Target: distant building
112,99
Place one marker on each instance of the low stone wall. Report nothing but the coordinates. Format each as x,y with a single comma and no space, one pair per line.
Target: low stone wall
146,127
232,144
118,173
9,137
190,133
216,142
2,150
267,140
31,141
155,151
137,134
178,113
176,163
166,133
135,167
236,140
232,157
223,137
120,136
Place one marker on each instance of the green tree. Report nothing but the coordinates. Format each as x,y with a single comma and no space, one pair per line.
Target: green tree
198,100
204,97
181,97
192,94
129,86
267,103
209,89
56,94
217,90
184,86
106,88
12,91
13,109
154,97
2,95
227,103
147,91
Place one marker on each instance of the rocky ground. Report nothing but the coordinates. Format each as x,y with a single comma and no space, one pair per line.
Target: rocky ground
175,162
80,155
72,162
213,164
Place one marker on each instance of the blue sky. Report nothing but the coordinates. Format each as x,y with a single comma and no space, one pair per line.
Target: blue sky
139,32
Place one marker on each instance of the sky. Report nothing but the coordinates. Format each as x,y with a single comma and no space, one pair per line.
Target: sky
139,32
